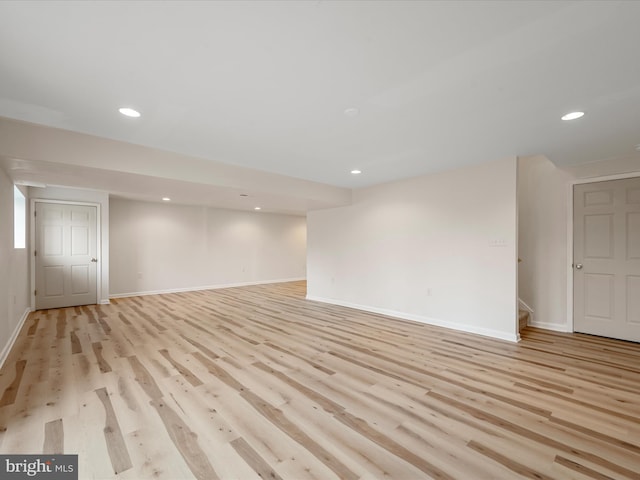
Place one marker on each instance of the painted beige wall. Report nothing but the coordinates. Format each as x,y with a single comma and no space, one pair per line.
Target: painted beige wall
543,207
14,281
86,196
424,249
160,247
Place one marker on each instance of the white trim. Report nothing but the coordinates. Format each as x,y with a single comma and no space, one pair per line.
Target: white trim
522,305
569,323
14,336
422,319
604,178
556,327
206,287
517,257
32,244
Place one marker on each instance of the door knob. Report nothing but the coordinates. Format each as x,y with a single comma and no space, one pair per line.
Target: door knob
578,266
95,260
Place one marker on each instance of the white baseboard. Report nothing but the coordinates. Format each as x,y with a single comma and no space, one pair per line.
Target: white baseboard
14,336
422,319
206,287
556,327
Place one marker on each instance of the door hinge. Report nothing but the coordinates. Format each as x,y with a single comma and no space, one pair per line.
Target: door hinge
35,253
35,292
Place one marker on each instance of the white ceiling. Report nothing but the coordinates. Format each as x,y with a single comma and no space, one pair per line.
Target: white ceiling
264,85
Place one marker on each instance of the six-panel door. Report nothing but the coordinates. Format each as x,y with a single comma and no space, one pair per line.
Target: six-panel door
66,255
607,259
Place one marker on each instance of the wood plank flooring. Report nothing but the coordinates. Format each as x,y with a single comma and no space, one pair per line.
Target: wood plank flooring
259,383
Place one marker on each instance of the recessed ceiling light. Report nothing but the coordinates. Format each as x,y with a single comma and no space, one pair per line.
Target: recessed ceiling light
129,112
257,208
351,112
355,172
572,115
166,199
244,195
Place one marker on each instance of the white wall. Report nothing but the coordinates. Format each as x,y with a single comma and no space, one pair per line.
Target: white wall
614,166
543,198
424,249
14,280
160,247
37,143
542,234
86,196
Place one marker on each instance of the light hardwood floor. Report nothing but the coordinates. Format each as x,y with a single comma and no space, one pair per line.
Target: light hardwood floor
257,382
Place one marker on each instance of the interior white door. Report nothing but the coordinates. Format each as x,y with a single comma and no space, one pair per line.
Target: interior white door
606,261
65,255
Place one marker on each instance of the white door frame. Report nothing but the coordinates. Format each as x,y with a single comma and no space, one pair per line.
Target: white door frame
32,243
572,183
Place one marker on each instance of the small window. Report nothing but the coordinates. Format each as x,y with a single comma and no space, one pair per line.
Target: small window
19,219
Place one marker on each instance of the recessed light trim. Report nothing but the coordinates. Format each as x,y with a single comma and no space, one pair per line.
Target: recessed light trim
166,199
572,116
129,112
356,172
351,112
257,208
